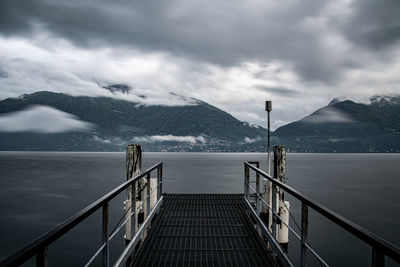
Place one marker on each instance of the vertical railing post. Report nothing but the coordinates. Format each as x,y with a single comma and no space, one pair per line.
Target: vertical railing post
274,210
41,258
258,201
246,180
148,194
159,181
133,209
378,258
105,234
161,178
304,233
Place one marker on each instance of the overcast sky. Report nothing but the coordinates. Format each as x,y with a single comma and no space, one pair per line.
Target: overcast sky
233,54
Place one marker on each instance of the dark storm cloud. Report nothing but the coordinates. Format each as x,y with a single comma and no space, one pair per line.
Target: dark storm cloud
220,32
375,24
282,91
14,17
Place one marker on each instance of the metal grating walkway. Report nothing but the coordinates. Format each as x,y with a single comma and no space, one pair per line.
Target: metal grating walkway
203,230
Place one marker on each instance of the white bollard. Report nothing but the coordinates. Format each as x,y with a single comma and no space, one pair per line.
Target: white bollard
128,228
266,214
264,188
153,196
283,230
143,196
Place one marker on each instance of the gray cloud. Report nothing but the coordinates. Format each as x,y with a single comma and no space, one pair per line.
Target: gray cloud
251,140
41,119
220,32
336,140
170,138
279,90
3,73
374,24
224,33
329,114
111,140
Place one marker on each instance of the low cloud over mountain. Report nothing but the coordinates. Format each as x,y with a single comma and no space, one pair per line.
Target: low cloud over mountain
107,123
41,119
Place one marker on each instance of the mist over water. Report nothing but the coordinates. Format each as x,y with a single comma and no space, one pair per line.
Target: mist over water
41,189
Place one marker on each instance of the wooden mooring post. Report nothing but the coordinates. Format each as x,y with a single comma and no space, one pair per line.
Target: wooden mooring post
133,168
282,206
275,197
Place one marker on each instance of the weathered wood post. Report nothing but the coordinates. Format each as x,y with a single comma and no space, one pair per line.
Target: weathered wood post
133,168
282,231
246,181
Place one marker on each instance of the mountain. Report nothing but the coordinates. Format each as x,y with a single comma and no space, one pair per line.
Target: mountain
345,126
62,122
114,123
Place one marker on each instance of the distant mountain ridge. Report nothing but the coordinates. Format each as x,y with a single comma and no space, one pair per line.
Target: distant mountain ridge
341,126
118,122
345,126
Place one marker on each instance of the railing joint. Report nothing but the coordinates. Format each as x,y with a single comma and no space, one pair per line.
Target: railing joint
378,258
42,257
105,236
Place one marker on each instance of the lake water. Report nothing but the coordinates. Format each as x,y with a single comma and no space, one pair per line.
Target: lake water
40,189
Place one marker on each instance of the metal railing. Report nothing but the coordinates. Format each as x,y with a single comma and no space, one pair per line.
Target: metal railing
39,247
380,247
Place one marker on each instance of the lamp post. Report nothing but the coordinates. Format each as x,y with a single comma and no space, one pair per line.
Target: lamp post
267,185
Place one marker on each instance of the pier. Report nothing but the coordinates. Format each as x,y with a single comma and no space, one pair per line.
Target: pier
165,229
203,230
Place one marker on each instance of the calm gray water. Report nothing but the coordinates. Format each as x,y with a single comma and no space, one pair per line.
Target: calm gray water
40,189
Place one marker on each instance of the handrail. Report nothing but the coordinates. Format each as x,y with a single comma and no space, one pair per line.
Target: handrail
290,228
373,240
41,243
132,244
285,261
116,231
277,215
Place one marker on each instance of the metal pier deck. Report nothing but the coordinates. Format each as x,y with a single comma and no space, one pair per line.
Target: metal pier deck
203,230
